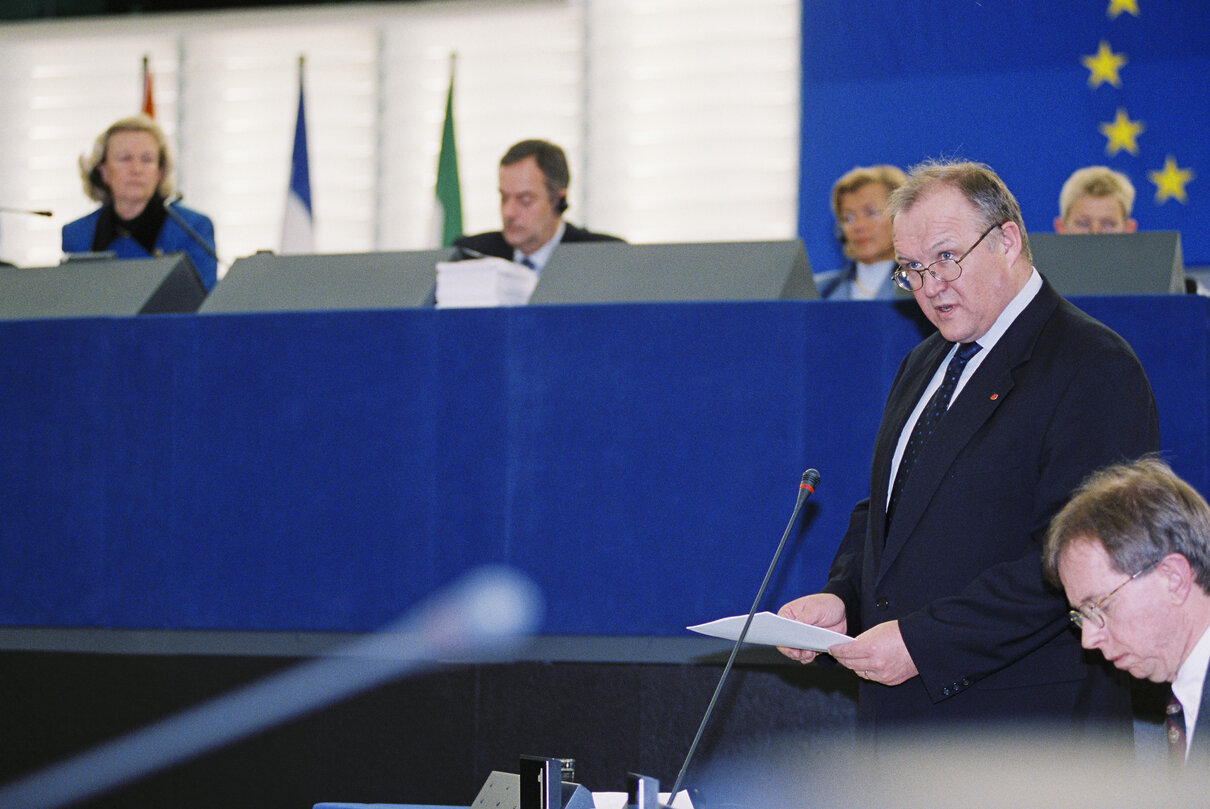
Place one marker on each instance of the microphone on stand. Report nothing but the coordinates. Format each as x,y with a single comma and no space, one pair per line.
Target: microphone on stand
6,209
185,226
810,479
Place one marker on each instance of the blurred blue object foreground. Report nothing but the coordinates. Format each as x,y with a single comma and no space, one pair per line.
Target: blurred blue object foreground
486,612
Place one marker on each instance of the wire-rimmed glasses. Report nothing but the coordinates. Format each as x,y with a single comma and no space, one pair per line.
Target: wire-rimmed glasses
1094,613
946,268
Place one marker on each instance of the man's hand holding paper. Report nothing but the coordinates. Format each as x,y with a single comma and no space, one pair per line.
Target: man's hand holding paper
878,655
819,609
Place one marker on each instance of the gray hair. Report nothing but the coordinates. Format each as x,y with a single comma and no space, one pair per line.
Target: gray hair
1139,512
981,186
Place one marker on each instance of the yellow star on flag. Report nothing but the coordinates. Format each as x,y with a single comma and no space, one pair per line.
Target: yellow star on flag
1116,7
1121,133
1103,66
1170,182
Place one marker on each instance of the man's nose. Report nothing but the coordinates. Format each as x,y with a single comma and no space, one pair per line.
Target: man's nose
930,285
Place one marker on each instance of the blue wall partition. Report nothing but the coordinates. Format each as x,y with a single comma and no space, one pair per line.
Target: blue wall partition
324,470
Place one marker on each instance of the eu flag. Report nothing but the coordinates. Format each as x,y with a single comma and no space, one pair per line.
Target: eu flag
1034,89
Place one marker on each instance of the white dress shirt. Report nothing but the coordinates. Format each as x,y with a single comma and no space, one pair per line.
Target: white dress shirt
988,341
541,256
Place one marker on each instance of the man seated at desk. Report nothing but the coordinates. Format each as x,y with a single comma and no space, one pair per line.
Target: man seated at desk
533,196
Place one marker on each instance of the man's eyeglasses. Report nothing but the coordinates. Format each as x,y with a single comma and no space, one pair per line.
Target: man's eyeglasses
946,268
1094,613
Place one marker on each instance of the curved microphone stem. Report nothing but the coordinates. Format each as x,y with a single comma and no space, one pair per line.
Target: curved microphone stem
810,479
185,226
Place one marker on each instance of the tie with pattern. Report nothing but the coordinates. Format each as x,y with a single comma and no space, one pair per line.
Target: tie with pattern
928,420
1174,727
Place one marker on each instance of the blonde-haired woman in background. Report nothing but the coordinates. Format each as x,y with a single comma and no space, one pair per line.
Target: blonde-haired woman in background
859,201
129,171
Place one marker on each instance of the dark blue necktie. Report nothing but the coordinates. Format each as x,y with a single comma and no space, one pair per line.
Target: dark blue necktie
526,261
1174,729
928,420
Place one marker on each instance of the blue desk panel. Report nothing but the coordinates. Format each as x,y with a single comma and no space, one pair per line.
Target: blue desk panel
324,470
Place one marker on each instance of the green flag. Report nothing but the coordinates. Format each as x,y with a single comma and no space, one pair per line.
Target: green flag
449,195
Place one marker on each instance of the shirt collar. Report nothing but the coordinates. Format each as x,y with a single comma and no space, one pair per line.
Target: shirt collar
1011,312
542,255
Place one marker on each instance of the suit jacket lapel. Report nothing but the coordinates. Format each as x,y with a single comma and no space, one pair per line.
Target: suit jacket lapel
966,416
899,408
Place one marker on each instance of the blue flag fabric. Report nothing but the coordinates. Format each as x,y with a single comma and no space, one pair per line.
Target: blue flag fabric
297,223
300,171
1034,89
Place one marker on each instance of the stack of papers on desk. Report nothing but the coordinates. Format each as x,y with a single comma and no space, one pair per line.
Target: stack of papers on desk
483,282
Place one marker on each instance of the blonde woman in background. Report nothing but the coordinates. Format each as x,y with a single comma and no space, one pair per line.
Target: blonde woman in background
129,171
859,203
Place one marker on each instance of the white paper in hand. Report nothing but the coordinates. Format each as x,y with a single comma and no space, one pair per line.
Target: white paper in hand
772,630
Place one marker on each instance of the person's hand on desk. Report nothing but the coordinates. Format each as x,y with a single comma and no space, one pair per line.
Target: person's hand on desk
818,609
877,655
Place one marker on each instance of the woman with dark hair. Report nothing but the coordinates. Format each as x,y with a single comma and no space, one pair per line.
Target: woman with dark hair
129,171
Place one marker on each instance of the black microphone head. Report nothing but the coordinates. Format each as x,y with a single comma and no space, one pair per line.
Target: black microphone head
810,479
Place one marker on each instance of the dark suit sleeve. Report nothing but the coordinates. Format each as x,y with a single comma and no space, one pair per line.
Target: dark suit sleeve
1103,412
844,576
845,573
489,244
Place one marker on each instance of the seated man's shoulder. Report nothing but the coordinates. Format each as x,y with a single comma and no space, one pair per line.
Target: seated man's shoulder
489,244
576,234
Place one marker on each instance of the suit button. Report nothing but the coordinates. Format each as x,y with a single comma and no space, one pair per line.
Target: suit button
945,692
965,682
882,604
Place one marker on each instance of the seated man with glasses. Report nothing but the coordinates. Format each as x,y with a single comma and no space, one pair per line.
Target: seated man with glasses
990,424
1132,552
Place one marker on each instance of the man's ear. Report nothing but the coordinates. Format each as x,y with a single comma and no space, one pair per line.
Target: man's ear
1178,576
1010,238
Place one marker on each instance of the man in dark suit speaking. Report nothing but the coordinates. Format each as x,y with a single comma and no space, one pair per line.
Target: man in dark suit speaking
1132,552
533,196
990,424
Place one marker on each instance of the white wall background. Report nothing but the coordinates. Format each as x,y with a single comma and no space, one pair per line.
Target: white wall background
680,117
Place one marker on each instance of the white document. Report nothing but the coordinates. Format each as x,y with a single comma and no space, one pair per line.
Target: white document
617,800
772,630
478,282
